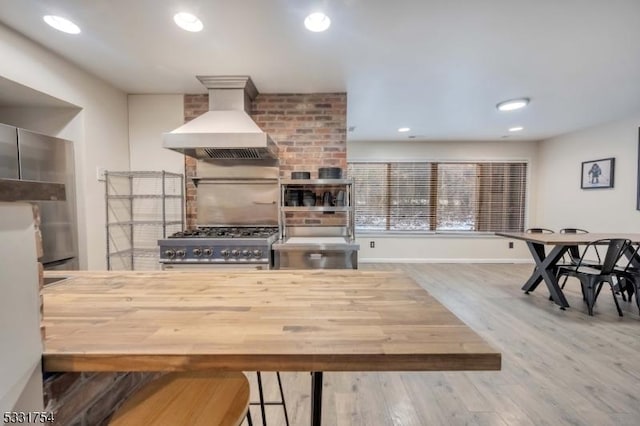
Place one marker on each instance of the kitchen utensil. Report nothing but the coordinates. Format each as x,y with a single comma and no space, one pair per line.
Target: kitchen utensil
327,199
309,198
300,175
294,197
329,173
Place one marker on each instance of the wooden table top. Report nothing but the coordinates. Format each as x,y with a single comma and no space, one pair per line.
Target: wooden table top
253,320
567,239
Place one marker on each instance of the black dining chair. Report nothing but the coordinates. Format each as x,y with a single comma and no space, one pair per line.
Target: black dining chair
539,231
629,276
573,231
573,254
592,279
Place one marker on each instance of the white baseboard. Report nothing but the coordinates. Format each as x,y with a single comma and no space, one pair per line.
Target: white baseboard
430,260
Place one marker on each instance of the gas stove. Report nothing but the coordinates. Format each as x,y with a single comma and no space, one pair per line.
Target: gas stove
219,245
228,232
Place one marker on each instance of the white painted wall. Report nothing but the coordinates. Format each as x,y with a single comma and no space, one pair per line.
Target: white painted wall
99,131
149,117
446,248
441,249
20,371
561,201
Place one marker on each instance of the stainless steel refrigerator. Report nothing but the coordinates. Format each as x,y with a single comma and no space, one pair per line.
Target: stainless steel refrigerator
27,157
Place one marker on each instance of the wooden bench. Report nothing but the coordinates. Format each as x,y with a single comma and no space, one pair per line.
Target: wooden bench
195,398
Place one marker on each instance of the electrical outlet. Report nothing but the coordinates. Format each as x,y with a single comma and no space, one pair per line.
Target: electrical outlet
510,244
100,171
372,244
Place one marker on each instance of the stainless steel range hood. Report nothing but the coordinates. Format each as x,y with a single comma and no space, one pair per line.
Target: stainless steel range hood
226,131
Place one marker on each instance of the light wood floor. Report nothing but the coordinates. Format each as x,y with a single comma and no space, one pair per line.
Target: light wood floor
558,367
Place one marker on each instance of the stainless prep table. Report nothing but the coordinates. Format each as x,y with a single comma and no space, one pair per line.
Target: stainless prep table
315,252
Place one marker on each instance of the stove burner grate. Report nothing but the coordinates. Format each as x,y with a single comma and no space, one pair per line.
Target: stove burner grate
227,232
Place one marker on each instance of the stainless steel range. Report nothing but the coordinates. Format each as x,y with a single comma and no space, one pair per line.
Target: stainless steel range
219,246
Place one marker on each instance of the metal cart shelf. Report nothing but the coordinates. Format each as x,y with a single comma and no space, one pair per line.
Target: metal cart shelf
316,246
141,208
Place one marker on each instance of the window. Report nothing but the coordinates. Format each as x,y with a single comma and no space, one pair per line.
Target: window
430,196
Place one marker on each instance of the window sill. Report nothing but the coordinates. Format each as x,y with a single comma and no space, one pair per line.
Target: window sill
426,234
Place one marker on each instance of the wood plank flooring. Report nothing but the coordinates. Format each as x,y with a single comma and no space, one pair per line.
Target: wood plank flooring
558,367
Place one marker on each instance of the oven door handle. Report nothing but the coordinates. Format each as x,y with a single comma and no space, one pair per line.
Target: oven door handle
269,203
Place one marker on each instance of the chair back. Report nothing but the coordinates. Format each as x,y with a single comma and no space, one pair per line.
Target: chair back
574,252
615,251
573,231
632,253
539,231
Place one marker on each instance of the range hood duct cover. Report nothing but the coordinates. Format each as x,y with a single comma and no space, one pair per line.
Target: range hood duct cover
226,131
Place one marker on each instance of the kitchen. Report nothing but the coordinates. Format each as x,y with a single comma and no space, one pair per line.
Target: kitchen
116,131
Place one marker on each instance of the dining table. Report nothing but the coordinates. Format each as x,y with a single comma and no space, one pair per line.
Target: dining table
295,320
546,263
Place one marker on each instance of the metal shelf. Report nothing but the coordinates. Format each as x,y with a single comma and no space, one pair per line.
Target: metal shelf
144,174
137,252
316,181
348,209
131,197
316,209
141,208
146,222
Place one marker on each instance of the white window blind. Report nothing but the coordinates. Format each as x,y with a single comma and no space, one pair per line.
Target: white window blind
431,196
372,198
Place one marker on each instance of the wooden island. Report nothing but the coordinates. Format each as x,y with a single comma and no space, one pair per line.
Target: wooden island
347,320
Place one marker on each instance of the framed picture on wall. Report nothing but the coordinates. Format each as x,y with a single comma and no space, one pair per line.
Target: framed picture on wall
598,173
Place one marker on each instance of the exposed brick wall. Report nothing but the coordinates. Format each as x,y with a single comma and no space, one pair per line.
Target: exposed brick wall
310,130
39,253
89,399
194,105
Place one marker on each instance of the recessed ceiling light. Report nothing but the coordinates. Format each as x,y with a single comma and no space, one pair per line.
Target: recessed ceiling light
516,128
513,104
317,22
404,129
62,24
188,22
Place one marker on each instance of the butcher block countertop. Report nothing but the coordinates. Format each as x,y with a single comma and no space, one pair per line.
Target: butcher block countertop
311,320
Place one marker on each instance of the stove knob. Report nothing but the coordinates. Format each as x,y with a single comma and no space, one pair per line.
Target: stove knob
208,252
180,253
235,253
170,253
225,253
257,253
197,252
246,253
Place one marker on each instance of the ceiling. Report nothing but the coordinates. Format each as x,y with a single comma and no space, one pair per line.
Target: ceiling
436,66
